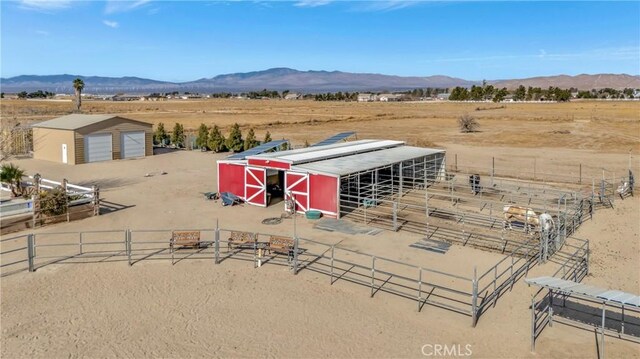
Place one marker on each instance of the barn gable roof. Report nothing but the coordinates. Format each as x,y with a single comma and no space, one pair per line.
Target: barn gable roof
77,121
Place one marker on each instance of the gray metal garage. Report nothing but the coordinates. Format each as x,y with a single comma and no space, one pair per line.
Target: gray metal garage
76,139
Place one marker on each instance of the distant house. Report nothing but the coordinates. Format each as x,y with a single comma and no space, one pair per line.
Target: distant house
293,96
190,96
636,94
126,98
388,97
366,97
442,96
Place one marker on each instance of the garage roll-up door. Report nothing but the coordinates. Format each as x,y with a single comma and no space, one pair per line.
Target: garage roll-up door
98,148
133,144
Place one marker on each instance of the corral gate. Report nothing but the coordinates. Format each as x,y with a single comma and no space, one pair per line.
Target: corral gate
255,186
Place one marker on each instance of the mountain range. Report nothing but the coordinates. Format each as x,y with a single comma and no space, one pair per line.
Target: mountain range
301,81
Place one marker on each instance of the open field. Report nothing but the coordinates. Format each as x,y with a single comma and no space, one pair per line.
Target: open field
596,125
198,309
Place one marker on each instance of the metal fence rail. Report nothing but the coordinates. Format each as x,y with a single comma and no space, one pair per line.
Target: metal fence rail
467,295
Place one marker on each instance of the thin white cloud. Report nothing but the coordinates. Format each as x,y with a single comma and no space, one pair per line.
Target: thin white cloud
111,24
42,32
387,5
115,6
45,5
311,3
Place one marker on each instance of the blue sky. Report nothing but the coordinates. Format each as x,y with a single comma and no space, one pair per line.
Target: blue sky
182,41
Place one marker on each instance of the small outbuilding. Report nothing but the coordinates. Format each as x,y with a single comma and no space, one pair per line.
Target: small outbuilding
76,139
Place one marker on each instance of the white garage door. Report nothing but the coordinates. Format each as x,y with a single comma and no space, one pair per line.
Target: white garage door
98,148
132,144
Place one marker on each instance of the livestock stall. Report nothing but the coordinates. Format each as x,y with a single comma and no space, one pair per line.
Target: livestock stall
331,178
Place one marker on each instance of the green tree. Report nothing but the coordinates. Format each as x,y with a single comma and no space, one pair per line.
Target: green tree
216,140
476,93
520,93
459,94
78,86
203,136
12,175
250,141
235,142
160,135
500,94
22,94
177,136
267,137
2,95
488,92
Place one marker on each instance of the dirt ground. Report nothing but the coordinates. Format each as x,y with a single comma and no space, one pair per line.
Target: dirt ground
198,309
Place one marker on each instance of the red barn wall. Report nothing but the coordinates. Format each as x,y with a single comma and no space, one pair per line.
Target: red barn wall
231,178
323,194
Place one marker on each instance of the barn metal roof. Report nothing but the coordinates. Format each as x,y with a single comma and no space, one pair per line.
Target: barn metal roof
597,293
76,121
366,161
319,153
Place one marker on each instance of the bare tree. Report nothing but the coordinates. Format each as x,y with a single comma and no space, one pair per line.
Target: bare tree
467,124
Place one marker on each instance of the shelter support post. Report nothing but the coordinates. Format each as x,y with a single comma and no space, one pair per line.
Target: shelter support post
533,323
604,309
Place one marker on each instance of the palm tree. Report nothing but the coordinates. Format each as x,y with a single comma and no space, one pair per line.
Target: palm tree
12,174
78,85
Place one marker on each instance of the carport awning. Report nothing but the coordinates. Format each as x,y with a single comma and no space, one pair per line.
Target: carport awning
593,292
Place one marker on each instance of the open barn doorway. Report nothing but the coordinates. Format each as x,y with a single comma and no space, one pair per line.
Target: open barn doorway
275,185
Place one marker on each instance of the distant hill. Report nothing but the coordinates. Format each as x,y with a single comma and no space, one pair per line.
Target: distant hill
300,81
93,84
321,81
582,82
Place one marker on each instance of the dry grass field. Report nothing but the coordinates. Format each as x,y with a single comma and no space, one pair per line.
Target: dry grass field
611,127
196,309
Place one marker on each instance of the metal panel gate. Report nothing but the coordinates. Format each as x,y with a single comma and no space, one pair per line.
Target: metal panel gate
255,186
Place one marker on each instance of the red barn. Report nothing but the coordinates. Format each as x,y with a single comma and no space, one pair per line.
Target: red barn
329,178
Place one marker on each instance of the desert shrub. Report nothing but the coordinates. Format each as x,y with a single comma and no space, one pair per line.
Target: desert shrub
467,124
54,202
